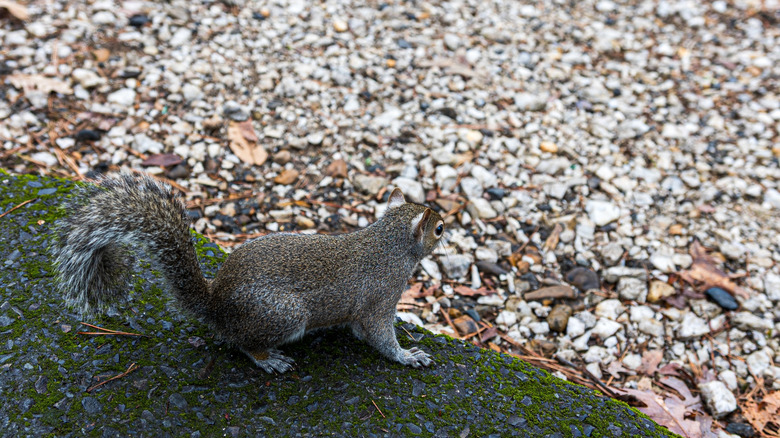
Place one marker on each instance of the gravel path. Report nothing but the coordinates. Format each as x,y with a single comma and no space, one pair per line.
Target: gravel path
602,135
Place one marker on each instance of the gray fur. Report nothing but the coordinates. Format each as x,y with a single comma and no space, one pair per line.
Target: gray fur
270,291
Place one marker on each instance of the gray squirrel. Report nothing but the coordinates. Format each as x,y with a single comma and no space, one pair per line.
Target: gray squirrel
268,292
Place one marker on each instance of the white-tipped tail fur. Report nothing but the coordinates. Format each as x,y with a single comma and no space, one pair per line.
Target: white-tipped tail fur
106,224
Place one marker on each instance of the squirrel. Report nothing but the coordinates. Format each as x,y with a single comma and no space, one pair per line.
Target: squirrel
270,291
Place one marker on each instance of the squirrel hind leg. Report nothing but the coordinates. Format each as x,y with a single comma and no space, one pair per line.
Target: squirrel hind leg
270,360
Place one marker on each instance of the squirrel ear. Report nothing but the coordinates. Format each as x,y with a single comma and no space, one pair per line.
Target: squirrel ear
396,198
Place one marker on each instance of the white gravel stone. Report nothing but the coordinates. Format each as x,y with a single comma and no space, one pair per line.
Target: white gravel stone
772,286
575,328
748,321
602,212
45,157
692,326
609,309
718,398
122,97
632,361
759,361
411,318
487,255
606,328
506,318
531,102
772,198
729,378
431,268
632,289
87,78
456,265
370,184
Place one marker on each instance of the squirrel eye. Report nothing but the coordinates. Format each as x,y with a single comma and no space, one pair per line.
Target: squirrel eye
439,230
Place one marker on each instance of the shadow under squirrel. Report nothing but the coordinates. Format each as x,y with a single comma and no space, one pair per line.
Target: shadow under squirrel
268,292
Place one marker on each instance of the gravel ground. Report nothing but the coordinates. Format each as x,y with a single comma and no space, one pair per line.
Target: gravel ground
607,136
177,380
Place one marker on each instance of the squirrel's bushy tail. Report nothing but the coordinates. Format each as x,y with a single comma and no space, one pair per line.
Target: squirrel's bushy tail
107,223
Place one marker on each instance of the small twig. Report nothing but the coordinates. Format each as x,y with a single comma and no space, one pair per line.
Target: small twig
20,205
130,369
104,331
449,321
377,408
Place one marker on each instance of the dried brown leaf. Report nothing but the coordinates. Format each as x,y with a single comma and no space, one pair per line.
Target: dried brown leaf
650,361
670,412
39,83
288,176
248,152
764,416
162,160
616,367
553,238
704,271
15,9
248,131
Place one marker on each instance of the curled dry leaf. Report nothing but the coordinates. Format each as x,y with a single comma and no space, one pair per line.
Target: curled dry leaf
39,83
552,240
669,411
704,271
764,416
162,160
650,361
15,9
248,131
288,176
246,151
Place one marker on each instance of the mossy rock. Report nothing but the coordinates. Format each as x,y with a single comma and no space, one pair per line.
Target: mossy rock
188,383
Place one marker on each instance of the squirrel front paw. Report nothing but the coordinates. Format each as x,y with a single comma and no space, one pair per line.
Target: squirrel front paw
271,361
415,358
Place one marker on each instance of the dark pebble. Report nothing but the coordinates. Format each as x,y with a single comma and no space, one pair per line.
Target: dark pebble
40,385
448,112
583,279
722,298
178,401
531,279
91,405
404,44
258,16
5,321
742,429
178,172
496,193
138,20
34,184
516,421
48,191
166,325
415,429
130,73
88,135
490,268
472,313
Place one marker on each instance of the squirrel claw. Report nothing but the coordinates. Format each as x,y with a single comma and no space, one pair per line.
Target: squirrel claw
272,361
416,358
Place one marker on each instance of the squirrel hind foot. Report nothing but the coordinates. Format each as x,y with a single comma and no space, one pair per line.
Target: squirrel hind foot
416,358
271,361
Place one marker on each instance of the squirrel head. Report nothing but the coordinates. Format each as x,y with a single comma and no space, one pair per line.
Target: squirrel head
427,226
